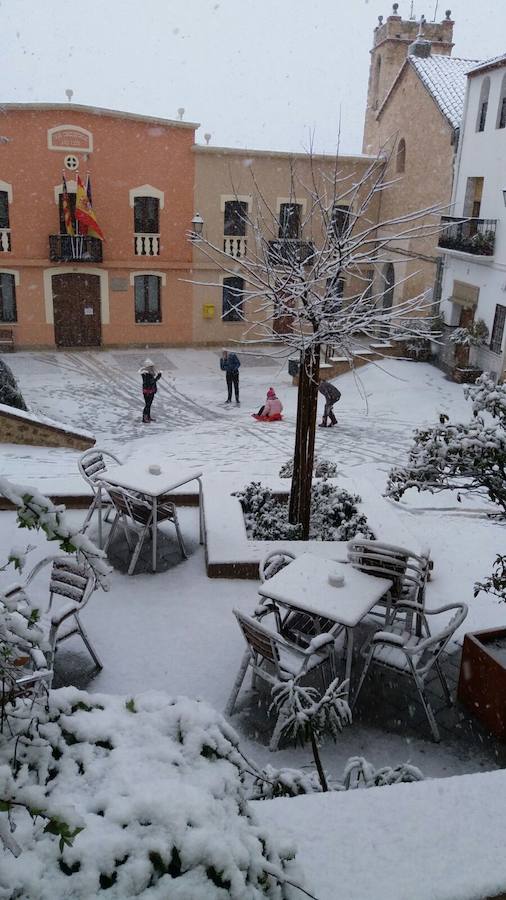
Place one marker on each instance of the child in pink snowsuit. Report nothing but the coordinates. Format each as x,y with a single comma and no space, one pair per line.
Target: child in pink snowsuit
272,408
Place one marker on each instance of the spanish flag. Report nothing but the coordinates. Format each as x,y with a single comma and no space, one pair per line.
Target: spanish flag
67,211
84,213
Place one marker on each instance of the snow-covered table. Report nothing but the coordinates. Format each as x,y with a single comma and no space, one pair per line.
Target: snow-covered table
304,585
142,479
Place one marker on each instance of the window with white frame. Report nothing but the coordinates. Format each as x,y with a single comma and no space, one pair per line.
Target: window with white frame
498,328
147,291
234,218
8,311
340,219
483,104
232,300
5,236
501,111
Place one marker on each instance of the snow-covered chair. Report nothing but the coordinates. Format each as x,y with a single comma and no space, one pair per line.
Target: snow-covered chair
273,659
415,655
409,572
71,581
92,463
274,562
134,510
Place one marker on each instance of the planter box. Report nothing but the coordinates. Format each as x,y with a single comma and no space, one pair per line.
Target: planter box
467,375
482,681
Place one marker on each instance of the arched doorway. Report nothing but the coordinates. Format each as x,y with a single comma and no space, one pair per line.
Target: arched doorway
76,305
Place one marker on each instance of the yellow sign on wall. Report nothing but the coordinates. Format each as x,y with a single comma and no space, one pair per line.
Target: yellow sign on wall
208,310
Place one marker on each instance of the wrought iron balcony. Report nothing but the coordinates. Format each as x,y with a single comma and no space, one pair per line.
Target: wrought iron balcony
74,248
476,236
290,251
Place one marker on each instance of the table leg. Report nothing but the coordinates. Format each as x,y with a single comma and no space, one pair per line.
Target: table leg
349,659
201,513
99,507
155,532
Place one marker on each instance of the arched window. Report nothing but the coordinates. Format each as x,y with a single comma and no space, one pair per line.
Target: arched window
501,112
400,163
388,285
377,75
483,104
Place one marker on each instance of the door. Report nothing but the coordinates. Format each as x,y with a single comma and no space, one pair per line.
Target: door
76,305
462,350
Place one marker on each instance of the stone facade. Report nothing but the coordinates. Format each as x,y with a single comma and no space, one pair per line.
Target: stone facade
20,429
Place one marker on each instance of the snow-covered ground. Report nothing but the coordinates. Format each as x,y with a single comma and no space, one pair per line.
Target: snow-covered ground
175,630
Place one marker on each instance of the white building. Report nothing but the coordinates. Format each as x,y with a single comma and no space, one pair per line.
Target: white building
474,237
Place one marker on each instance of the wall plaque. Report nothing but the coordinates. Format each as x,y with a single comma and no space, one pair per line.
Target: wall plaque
119,284
70,137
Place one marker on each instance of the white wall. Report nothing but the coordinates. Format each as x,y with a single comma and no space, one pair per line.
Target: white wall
481,154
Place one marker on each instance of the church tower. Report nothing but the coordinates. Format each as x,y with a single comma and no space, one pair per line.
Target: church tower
392,40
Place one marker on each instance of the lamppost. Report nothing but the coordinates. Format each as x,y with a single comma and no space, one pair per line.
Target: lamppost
197,227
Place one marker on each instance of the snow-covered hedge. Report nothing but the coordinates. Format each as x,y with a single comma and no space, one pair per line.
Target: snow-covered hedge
334,514
10,394
155,785
323,468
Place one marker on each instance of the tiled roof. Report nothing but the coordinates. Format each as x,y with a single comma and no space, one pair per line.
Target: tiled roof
445,79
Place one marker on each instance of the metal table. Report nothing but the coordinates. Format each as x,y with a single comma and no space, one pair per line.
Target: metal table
304,585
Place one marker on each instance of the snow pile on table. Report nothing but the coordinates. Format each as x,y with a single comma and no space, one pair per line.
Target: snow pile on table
155,783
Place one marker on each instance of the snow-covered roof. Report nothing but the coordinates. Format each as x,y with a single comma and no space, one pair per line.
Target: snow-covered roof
446,81
493,63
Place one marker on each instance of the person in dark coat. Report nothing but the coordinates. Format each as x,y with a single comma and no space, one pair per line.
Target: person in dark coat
230,363
150,377
332,395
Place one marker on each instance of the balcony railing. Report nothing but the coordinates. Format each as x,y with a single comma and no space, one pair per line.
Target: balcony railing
147,244
5,240
74,248
234,246
289,251
476,236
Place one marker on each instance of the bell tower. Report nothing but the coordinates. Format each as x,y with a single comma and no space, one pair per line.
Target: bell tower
392,39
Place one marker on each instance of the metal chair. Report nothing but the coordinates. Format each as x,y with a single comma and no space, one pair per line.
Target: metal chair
409,572
91,464
415,655
274,562
72,581
130,508
273,659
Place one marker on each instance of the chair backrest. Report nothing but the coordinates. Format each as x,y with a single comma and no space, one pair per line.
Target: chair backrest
92,463
259,639
427,651
407,569
71,579
129,504
274,562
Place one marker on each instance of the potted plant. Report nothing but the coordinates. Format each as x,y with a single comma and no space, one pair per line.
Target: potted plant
482,681
463,338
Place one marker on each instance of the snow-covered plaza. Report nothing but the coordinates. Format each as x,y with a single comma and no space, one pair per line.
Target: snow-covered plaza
174,631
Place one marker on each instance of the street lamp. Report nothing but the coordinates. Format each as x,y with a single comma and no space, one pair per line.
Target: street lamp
197,227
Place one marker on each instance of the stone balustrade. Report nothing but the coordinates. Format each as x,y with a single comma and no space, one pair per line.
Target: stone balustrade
234,246
147,244
5,240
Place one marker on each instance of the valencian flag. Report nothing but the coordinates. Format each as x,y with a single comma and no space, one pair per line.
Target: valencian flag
84,213
67,211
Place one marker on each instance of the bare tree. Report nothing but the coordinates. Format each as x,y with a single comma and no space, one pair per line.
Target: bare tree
294,271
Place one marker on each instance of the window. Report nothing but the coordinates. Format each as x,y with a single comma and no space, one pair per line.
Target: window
147,298
498,328
501,111
289,221
233,295
400,162
146,215
72,204
483,104
377,76
234,219
4,209
334,294
340,219
7,298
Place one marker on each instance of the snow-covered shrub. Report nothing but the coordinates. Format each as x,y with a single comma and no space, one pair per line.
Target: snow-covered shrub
10,395
334,514
359,773
463,456
496,582
155,785
475,336
323,468
417,344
